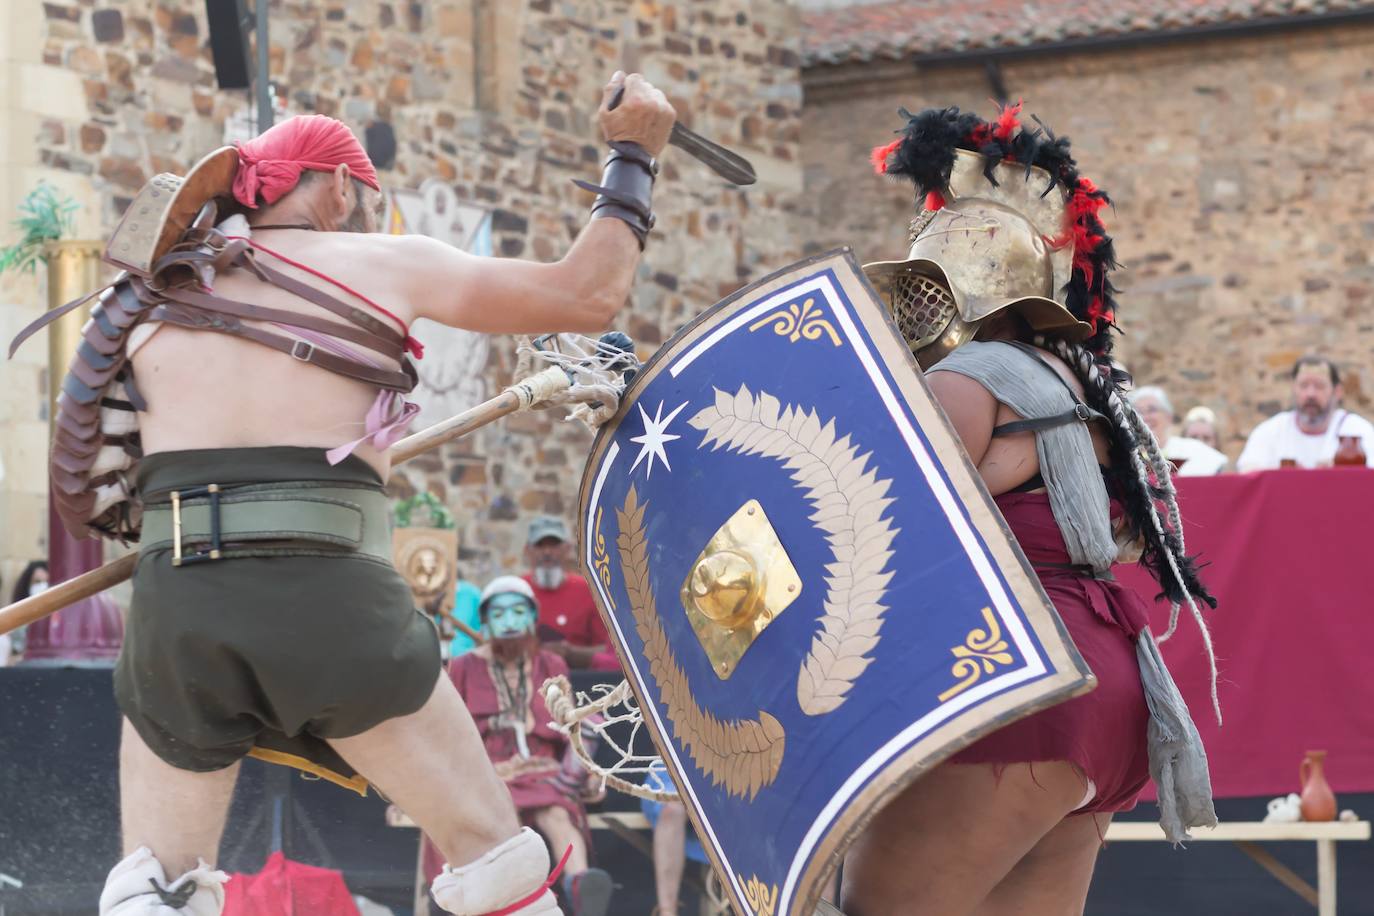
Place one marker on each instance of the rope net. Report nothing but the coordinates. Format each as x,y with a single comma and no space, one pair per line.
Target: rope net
597,369
605,713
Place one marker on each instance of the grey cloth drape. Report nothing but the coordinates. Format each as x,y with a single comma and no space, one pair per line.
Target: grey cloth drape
1067,460
1178,762
1078,498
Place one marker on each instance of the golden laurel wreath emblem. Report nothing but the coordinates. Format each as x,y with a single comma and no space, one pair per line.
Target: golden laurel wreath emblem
848,501
743,755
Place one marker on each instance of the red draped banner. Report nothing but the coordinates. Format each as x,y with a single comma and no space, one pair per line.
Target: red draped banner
1290,558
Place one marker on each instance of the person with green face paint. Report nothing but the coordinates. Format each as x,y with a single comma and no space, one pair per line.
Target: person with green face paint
499,681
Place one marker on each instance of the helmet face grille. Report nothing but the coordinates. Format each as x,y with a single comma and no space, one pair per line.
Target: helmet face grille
922,308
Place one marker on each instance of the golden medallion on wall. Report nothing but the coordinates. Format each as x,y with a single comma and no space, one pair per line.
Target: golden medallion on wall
428,559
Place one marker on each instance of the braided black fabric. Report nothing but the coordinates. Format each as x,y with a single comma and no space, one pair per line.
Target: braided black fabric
1162,541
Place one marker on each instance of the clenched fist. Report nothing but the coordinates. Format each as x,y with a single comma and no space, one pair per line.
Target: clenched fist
643,115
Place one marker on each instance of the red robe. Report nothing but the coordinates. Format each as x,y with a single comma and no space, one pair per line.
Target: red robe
533,782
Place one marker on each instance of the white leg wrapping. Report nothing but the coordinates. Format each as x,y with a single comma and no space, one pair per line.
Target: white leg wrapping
129,891
509,873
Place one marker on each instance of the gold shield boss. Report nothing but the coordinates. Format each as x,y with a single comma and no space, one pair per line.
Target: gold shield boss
990,247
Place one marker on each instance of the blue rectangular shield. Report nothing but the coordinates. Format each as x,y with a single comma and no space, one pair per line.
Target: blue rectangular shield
813,596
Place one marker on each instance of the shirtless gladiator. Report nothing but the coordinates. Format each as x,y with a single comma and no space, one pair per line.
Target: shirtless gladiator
299,643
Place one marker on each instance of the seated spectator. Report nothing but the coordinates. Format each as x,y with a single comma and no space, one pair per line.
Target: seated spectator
569,623
1189,457
1309,434
32,581
1200,423
466,598
673,845
499,681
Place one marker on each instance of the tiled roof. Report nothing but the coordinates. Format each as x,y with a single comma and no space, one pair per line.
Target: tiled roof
876,31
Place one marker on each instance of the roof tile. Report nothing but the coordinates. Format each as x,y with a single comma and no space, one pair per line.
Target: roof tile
893,30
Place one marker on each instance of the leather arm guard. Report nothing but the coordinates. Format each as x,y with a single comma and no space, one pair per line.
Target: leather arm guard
626,189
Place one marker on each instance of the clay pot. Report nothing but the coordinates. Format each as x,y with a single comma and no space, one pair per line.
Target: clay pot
1318,801
1350,453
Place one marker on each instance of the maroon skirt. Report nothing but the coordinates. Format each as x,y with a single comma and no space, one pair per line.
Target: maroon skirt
1103,732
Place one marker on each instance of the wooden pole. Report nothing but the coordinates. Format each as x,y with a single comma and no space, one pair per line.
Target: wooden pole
116,571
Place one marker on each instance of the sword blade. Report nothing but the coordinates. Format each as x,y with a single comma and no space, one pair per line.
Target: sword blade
727,164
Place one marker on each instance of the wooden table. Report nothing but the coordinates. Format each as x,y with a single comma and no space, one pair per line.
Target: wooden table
1247,835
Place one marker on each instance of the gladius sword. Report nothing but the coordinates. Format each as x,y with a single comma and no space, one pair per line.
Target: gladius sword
729,165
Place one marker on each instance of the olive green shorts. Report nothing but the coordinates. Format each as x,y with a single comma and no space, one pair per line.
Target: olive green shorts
269,655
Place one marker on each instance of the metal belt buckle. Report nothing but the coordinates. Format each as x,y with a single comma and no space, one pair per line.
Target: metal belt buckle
214,553
1082,411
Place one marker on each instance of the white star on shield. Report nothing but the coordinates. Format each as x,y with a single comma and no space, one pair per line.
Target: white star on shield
655,436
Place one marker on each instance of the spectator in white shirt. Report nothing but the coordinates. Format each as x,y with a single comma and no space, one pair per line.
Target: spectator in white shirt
1310,433
1191,457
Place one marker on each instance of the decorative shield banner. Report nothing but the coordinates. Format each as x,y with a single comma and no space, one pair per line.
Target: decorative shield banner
813,596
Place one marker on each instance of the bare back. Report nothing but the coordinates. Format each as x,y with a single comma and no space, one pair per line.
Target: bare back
210,390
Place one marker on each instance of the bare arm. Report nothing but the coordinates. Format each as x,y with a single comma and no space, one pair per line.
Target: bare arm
583,291
970,407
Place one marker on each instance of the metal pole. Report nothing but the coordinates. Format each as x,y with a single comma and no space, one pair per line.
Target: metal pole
264,77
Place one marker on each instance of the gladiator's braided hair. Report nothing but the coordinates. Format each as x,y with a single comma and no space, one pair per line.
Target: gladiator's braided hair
1143,479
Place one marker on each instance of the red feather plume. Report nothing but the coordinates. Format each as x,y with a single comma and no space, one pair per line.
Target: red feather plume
879,155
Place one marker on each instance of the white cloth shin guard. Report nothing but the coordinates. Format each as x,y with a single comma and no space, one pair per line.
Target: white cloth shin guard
505,875
128,891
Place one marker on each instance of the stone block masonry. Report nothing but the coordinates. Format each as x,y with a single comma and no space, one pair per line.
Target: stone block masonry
1244,211
497,99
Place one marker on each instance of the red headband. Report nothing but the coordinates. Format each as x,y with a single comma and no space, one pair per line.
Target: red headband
271,165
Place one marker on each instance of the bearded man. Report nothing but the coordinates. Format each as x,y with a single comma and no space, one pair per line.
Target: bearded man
568,620
267,618
1310,433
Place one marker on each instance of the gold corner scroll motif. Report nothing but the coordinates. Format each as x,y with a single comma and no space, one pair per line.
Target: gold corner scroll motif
849,503
740,583
981,653
743,755
762,898
601,560
795,322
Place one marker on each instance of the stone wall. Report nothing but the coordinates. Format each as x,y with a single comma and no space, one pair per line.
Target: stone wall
496,98
1244,209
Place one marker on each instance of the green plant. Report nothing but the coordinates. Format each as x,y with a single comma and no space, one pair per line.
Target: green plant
421,508
44,216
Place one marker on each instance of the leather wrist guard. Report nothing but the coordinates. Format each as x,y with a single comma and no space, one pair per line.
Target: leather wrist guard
626,188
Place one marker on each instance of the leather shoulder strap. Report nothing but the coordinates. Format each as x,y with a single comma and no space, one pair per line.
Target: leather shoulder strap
402,380
1079,412
324,300
215,304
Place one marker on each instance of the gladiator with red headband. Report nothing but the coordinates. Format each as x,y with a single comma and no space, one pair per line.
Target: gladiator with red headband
230,410
1006,302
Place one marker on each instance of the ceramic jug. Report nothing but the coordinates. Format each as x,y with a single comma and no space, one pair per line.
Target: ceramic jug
1318,802
1349,453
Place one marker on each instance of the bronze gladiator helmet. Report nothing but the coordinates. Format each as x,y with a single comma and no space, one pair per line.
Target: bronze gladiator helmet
1006,223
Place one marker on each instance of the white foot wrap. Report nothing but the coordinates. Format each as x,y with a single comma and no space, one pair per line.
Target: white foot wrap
505,876
129,890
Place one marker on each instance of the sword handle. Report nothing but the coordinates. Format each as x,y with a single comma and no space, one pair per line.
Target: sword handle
727,164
